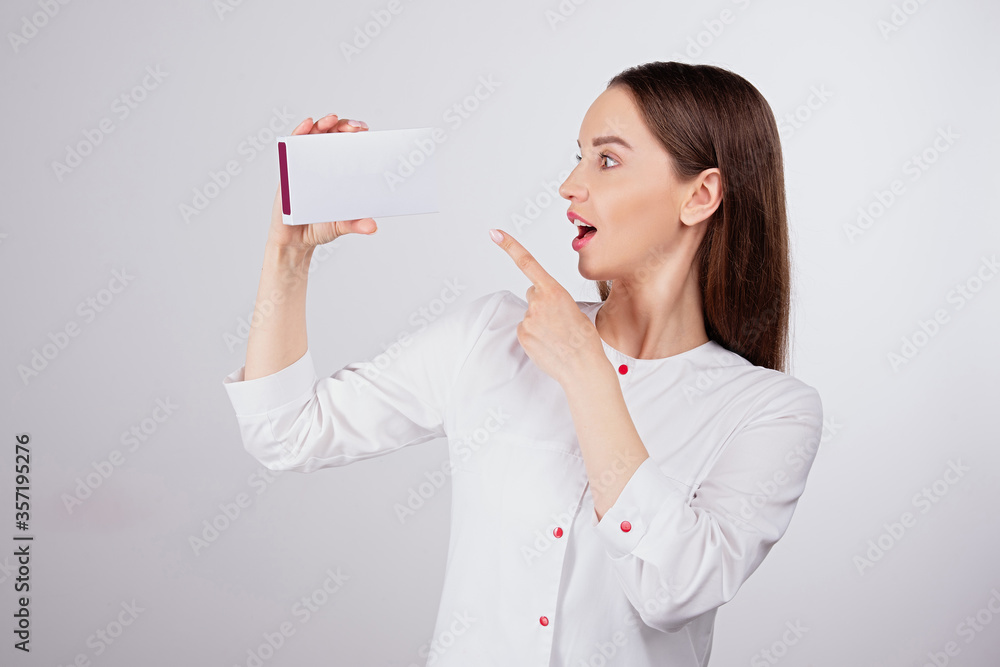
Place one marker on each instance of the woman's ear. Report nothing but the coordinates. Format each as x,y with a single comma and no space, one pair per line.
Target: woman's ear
704,197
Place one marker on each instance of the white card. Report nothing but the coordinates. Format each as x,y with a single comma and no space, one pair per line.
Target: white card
365,174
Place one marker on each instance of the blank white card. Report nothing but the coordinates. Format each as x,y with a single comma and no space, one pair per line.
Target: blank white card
349,175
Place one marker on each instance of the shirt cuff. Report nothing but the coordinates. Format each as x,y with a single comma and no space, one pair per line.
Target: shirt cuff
260,395
647,493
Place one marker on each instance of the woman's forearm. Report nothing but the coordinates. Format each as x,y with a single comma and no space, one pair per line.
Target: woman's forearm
278,326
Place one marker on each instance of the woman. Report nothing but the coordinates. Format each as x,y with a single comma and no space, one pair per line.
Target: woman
619,468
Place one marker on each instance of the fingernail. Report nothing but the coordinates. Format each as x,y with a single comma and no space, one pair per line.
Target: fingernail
496,236
357,123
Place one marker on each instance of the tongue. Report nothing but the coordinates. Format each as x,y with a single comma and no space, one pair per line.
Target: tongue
584,231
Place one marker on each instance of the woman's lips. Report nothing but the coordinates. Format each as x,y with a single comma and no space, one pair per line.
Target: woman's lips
585,238
574,216
584,230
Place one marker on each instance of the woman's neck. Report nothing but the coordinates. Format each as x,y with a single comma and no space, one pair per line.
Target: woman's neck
652,324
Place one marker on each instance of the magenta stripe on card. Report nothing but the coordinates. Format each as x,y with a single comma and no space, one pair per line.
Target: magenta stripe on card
286,205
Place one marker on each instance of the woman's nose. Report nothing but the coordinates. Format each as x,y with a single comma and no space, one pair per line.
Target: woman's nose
571,188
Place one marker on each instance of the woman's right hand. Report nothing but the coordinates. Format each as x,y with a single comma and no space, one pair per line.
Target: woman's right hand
309,236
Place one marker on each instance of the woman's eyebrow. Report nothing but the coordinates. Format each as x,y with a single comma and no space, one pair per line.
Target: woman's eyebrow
609,139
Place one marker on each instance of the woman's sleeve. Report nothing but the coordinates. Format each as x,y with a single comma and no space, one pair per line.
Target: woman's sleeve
292,420
682,556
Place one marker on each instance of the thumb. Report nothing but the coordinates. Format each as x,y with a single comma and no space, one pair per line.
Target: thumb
365,226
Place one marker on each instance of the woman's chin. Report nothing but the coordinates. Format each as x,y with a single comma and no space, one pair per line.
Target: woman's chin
591,273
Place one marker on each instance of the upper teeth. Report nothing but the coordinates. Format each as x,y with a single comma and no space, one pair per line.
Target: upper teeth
580,223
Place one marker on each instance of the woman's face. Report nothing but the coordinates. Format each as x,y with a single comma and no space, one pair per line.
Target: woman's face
625,186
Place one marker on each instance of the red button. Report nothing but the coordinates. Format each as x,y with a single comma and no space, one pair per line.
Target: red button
626,526
543,620
623,369
557,532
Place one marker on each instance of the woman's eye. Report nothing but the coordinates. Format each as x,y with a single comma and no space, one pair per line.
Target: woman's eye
604,156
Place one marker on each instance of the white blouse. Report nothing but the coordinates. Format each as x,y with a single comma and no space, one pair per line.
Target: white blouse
532,577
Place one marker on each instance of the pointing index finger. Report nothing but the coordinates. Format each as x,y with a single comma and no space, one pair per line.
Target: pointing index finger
523,259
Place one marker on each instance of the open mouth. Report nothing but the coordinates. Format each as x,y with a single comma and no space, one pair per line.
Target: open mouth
584,230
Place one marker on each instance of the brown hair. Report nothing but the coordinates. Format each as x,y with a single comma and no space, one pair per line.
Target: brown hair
705,117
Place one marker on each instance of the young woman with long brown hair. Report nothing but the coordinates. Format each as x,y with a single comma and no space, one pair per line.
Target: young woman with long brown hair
619,467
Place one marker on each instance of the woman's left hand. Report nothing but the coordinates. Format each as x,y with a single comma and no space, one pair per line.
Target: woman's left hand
554,333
